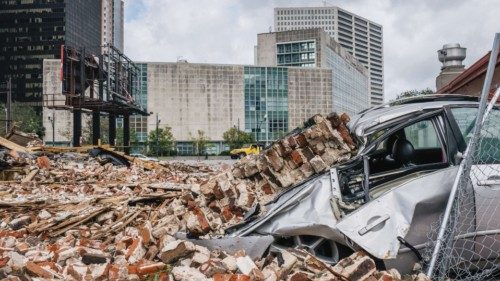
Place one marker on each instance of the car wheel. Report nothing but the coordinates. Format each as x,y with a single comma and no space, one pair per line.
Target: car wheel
241,155
234,156
323,249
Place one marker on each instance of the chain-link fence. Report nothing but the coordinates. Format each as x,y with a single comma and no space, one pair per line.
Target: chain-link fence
467,246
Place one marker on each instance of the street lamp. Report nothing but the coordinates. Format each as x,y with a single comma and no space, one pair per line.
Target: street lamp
258,129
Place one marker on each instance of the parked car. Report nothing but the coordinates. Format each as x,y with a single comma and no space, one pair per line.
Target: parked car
247,149
144,157
385,199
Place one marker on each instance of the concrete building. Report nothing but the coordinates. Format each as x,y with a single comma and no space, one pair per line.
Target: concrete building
361,37
265,101
31,31
112,23
315,48
451,55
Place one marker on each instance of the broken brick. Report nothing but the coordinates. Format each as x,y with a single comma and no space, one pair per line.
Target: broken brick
176,250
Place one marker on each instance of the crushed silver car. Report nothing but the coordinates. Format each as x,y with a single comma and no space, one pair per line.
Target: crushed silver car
386,198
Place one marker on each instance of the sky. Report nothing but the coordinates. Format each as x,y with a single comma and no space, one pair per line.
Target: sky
225,31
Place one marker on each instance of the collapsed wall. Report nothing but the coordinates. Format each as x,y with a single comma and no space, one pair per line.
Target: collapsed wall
257,179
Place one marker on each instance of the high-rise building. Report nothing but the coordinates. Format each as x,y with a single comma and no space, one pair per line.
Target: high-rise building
315,48
112,23
31,31
361,37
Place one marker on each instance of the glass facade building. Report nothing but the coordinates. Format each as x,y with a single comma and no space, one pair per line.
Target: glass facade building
31,31
349,85
313,47
140,123
266,102
302,54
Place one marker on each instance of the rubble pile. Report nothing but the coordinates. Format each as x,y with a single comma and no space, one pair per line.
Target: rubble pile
69,216
258,178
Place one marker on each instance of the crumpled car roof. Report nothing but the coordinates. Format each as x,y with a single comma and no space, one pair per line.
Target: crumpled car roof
362,122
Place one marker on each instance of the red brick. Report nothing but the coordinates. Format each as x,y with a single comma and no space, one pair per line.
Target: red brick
301,140
214,206
227,214
274,159
36,270
231,277
297,157
267,189
218,192
346,136
345,118
4,261
43,162
202,220
150,268
299,276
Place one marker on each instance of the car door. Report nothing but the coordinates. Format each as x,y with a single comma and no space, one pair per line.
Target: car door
485,180
407,206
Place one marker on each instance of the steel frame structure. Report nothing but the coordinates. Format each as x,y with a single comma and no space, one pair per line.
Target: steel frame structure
107,83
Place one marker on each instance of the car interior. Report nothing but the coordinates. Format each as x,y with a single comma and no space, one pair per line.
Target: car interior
414,148
414,145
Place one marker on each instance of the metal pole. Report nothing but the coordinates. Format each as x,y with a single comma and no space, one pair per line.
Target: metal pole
9,104
366,183
157,136
470,146
53,128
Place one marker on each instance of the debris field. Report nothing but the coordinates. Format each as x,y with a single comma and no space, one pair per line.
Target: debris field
70,216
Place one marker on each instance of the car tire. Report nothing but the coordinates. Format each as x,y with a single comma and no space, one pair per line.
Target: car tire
234,156
241,155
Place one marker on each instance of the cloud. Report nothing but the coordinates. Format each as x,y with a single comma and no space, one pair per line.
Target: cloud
225,31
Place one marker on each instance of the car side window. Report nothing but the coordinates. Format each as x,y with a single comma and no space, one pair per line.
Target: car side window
465,118
413,145
488,151
422,135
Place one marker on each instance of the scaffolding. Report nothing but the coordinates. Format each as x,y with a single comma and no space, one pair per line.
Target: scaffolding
104,83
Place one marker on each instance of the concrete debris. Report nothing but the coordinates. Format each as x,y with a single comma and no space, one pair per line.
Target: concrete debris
81,218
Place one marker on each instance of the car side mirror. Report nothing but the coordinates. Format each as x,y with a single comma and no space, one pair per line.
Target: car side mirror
458,157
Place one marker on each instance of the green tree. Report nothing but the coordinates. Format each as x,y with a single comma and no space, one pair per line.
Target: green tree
414,93
25,118
119,137
236,138
200,141
161,141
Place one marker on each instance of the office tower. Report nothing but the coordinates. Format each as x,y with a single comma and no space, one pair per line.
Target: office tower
315,48
31,31
359,36
112,23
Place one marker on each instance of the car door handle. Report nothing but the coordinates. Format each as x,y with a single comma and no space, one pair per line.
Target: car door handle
375,221
492,180
488,182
